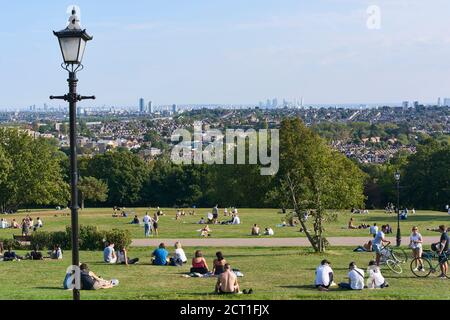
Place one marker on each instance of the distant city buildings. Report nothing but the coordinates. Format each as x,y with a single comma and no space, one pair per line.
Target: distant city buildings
141,105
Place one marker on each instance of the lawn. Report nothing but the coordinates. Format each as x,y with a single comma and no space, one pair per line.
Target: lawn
274,273
187,227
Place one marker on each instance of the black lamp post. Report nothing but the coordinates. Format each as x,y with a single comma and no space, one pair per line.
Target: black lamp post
72,42
399,235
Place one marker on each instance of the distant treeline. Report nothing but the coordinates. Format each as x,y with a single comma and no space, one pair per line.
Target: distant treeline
34,172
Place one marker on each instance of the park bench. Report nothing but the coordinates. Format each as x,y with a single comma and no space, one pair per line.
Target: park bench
22,239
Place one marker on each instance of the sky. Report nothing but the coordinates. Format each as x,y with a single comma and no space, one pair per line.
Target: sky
229,51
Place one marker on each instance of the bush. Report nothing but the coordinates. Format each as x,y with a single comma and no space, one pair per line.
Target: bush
41,240
90,238
121,238
62,239
15,245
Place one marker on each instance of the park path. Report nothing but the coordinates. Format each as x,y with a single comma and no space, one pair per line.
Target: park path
264,242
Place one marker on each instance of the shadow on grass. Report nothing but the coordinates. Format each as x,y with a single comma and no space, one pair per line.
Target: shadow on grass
51,288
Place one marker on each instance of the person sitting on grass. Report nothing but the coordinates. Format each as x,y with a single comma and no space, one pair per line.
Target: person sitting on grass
179,255
159,256
11,255
324,276
1,249
356,278
205,232
227,282
14,224
219,264
109,254
376,279
122,257
269,232
136,220
56,254
350,225
90,281
35,254
202,221
256,231
39,224
199,264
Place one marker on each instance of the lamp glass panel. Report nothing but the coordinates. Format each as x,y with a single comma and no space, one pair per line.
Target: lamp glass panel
70,49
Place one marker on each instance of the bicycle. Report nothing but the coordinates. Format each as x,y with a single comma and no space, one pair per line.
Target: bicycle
423,267
394,258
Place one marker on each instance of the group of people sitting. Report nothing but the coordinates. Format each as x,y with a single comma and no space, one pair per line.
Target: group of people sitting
351,226
121,257
356,277
256,231
35,254
359,211
27,225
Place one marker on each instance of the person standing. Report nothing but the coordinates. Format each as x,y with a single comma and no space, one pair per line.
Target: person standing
415,244
378,243
147,227
443,259
155,224
374,230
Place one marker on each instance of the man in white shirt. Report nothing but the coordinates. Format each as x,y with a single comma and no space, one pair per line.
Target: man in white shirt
147,227
236,220
324,276
356,278
376,279
374,230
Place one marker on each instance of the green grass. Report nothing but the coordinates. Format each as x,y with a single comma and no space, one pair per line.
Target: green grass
187,227
274,273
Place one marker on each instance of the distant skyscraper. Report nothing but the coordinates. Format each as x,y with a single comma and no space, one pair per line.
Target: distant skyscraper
439,102
275,103
174,108
150,107
416,104
405,104
141,105
446,102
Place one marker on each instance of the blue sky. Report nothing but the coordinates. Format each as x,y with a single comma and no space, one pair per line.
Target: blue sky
233,51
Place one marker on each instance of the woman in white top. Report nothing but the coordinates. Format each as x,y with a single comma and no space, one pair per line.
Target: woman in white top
376,279
179,252
415,244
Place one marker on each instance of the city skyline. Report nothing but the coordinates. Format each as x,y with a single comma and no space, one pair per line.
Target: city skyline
231,53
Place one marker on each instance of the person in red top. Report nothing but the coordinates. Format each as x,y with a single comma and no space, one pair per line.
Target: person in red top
199,264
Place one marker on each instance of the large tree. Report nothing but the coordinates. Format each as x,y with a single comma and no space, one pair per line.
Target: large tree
123,172
92,189
314,178
35,176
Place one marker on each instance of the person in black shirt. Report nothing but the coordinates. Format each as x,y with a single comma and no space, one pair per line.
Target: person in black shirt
443,259
90,281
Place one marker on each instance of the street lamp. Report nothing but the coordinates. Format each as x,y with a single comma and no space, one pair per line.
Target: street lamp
72,41
399,235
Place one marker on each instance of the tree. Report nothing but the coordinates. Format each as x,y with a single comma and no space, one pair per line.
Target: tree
92,189
35,176
314,178
123,172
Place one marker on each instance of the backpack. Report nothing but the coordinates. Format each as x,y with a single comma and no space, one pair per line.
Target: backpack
68,281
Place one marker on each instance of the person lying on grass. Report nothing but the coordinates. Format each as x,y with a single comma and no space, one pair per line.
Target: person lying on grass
11,255
90,281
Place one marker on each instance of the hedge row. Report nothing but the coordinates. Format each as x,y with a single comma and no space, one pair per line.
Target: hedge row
90,239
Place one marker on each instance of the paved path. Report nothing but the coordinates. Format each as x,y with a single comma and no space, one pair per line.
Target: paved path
263,242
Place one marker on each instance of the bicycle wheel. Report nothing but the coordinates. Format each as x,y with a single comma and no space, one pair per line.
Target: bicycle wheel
400,255
394,266
427,268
